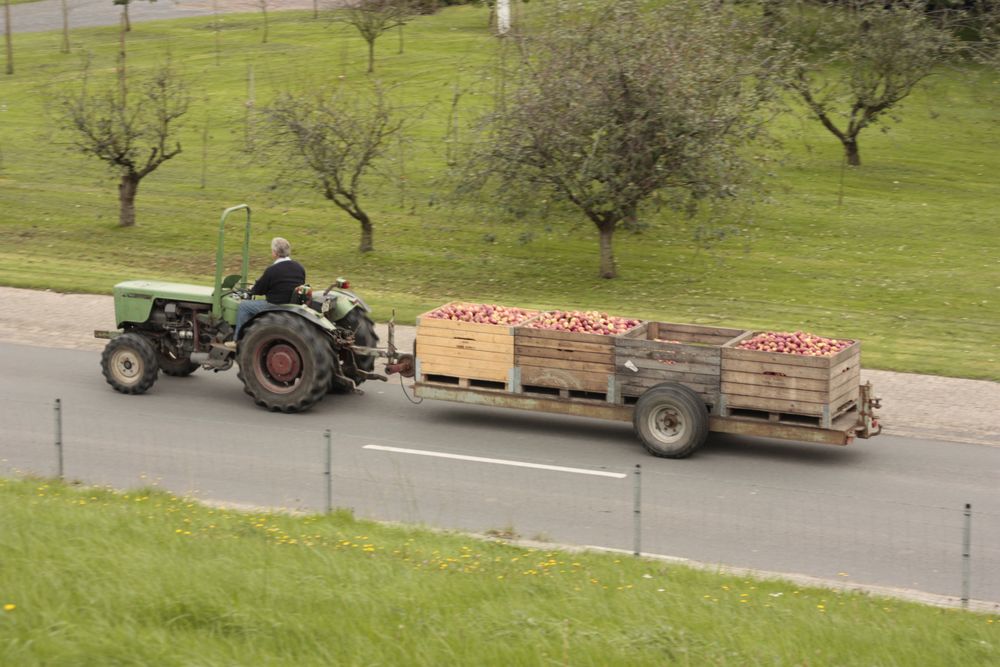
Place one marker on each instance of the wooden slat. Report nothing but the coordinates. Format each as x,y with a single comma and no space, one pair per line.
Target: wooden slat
462,367
732,389
522,352
442,335
564,336
638,386
692,333
543,343
443,356
708,356
564,379
656,369
459,326
761,380
759,368
775,405
444,345
567,364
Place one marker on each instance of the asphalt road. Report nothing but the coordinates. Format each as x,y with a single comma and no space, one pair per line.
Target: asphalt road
886,512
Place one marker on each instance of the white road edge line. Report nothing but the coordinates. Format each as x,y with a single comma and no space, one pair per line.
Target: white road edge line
480,459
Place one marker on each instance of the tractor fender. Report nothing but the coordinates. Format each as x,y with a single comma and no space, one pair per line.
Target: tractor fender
302,311
345,302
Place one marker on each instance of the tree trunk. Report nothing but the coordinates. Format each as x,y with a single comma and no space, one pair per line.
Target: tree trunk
608,269
371,56
65,21
126,198
7,36
851,151
367,232
128,21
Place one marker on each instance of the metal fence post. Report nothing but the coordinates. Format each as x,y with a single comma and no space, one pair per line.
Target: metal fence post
966,555
329,471
59,442
637,511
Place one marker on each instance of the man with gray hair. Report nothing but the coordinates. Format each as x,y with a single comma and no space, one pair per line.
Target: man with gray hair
277,284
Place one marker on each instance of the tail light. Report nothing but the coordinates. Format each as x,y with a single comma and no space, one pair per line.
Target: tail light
343,283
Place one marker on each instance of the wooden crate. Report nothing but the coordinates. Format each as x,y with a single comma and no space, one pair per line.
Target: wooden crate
464,353
572,363
784,387
656,352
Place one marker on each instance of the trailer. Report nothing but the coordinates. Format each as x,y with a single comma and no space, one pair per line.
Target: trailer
674,382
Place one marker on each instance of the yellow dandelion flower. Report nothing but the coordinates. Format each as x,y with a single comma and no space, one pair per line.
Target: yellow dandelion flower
11,607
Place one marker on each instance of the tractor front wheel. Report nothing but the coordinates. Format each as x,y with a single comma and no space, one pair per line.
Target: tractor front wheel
285,363
129,363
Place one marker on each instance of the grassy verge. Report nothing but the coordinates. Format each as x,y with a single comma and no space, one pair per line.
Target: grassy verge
96,577
901,253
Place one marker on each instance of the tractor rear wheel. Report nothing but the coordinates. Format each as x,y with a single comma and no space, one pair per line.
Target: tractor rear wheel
364,335
129,363
286,364
175,366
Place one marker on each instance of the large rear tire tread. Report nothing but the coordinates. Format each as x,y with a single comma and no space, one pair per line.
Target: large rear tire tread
129,363
298,338
671,420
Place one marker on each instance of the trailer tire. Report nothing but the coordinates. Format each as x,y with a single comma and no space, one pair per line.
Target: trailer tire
671,421
286,363
129,363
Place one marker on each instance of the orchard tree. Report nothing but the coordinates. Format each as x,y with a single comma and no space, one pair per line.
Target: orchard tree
7,35
372,18
330,140
133,135
629,107
858,60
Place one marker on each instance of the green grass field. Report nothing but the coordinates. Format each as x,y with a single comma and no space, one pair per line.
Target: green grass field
93,577
901,253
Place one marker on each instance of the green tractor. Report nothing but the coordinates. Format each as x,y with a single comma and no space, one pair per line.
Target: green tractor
289,356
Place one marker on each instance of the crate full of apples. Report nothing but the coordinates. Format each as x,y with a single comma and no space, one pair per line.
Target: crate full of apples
794,372
657,352
570,349
461,342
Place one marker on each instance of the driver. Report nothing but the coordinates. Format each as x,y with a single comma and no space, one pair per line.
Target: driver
277,283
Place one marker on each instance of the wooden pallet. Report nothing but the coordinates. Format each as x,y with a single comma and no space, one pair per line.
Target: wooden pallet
657,352
465,351
783,386
575,362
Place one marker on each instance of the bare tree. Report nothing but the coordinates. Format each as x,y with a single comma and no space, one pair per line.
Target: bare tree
858,61
132,135
64,7
330,140
630,107
372,18
7,37
263,8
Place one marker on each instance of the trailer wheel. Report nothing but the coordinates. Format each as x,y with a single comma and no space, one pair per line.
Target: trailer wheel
286,364
129,363
671,421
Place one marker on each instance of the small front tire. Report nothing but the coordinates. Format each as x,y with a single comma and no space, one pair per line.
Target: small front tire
671,421
129,363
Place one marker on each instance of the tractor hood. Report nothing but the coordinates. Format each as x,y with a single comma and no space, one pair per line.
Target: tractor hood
134,298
